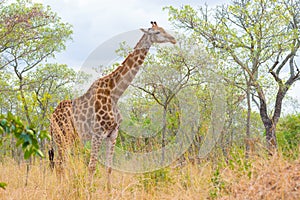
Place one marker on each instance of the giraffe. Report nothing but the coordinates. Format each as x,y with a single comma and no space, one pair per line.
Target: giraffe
95,116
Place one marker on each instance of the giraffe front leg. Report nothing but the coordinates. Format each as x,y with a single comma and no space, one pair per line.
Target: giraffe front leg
110,145
95,147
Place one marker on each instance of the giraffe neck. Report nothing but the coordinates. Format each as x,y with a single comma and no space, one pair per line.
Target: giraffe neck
125,73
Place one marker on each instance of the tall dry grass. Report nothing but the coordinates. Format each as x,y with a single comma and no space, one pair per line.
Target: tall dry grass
255,178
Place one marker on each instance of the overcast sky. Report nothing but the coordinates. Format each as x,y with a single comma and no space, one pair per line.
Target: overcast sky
97,21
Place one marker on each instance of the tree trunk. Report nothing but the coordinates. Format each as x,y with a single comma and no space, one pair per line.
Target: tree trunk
248,125
270,128
23,99
164,129
270,123
271,137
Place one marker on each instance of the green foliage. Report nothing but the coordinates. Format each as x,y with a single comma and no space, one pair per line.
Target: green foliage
248,34
49,84
30,32
235,162
288,135
238,163
26,137
3,185
45,87
156,178
218,184
153,103
261,38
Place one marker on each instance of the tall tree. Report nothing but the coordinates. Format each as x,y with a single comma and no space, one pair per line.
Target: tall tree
49,84
260,36
29,33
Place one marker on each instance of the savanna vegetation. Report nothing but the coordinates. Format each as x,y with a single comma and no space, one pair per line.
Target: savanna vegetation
234,65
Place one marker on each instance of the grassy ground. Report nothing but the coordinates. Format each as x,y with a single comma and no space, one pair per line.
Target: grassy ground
256,178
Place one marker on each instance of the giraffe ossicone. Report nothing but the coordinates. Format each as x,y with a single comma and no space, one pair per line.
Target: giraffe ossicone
95,115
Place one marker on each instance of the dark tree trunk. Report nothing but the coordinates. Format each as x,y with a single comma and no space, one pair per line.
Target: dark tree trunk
270,123
270,134
271,137
270,128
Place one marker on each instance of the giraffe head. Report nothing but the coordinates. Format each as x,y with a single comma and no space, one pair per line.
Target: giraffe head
157,34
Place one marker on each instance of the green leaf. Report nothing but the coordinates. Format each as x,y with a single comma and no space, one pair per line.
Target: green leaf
40,153
45,135
25,144
19,142
27,154
3,185
3,122
30,132
10,116
12,128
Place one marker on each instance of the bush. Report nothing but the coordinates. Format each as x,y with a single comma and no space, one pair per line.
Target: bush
288,135
25,136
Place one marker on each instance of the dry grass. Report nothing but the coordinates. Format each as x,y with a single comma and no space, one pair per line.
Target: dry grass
260,178
273,178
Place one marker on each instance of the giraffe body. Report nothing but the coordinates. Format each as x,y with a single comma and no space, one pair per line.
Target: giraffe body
94,116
